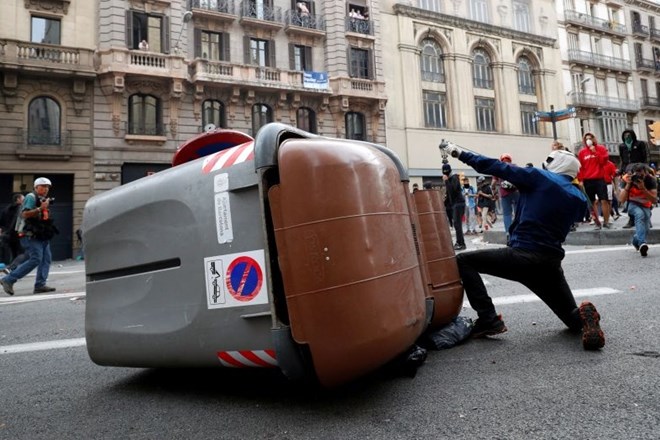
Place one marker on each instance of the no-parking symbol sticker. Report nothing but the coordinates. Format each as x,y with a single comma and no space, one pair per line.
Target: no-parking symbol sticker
235,280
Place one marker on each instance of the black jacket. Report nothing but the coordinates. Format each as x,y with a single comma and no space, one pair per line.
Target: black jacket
638,152
454,191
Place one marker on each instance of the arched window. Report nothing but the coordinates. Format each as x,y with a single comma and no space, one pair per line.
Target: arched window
482,72
213,112
44,122
306,119
526,84
145,115
432,66
355,128
261,115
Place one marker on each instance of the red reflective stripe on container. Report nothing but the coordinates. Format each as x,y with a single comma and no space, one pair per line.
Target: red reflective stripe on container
228,359
248,358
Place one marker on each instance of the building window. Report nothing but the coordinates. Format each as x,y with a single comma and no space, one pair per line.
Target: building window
306,119
526,83
521,19
44,122
213,112
355,128
144,115
479,10
485,110
612,125
435,109
300,57
147,32
430,5
360,63
528,118
46,30
432,67
214,46
261,115
482,72
259,52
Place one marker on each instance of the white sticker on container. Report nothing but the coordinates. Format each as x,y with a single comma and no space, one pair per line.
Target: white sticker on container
223,218
235,280
221,183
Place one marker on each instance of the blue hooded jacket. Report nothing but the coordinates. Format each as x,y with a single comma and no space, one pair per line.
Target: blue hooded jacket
549,203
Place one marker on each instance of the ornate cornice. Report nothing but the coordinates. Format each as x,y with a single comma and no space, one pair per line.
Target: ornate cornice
645,5
470,25
53,6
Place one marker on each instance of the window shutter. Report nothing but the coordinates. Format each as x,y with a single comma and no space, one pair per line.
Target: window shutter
246,50
308,58
351,73
129,29
370,64
165,34
312,9
198,43
226,49
292,56
271,54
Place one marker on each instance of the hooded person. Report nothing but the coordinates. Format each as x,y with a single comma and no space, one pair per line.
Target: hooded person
549,204
631,150
454,204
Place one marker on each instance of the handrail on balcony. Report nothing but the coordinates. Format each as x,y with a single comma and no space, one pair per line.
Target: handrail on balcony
655,33
597,59
594,22
148,59
640,29
223,6
250,9
216,68
359,26
267,74
293,17
643,63
649,101
589,99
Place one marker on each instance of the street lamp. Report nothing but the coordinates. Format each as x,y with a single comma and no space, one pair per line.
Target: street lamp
187,16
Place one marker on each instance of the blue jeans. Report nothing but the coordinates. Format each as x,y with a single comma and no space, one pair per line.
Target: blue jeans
509,203
642,218
39,256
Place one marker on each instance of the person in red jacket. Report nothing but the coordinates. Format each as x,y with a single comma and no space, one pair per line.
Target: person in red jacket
593,158
612,182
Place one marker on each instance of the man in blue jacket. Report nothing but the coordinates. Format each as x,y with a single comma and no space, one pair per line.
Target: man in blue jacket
549,205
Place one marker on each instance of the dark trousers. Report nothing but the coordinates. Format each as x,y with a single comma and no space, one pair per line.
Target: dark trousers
457,219
540,273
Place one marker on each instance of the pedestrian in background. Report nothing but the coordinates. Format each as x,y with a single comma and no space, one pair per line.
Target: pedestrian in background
549,204
456,203
35,228
641,192
593,158
470,195
611,180
8,226
508,194
631,151
485,203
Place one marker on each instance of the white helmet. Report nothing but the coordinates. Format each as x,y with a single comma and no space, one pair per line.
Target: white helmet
42,181
562,162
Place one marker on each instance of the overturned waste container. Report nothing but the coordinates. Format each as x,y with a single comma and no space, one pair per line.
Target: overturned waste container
290,251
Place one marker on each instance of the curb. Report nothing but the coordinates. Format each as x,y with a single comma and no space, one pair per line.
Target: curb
589,238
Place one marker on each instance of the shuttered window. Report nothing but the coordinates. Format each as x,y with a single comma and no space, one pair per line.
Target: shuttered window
300,57
152,28
212,46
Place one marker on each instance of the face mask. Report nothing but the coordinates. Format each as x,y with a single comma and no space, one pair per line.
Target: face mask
590,143
466,185
446,173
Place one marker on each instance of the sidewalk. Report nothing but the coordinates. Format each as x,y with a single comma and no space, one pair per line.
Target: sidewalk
585,233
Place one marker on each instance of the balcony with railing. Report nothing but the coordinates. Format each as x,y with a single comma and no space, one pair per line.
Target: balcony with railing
219,10
431,76
655,34
304,23
644,65
140,62
594,59
359,26
639,30
261,16
585,20
44,144
58,60
600,101
263,77
358,87
141,132
650,103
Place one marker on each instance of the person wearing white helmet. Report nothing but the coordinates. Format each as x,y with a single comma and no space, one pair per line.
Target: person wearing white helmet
549,203
35,229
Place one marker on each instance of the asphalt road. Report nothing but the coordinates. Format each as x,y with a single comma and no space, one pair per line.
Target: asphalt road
533,382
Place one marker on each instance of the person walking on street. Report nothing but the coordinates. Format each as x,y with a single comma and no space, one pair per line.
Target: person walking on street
631,151
508,196
641,192
8,226
549,204
593,158
35,228
456,203
470,207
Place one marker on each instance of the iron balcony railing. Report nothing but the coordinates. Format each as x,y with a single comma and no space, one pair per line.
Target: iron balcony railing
600,101
655,34
526,89
34,138
595,59
648,101
294,17
593,22
644,64
223,6
438,77
145,129
640,29
249,9
359,26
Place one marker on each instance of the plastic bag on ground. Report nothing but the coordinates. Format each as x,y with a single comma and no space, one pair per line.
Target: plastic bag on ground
448,336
